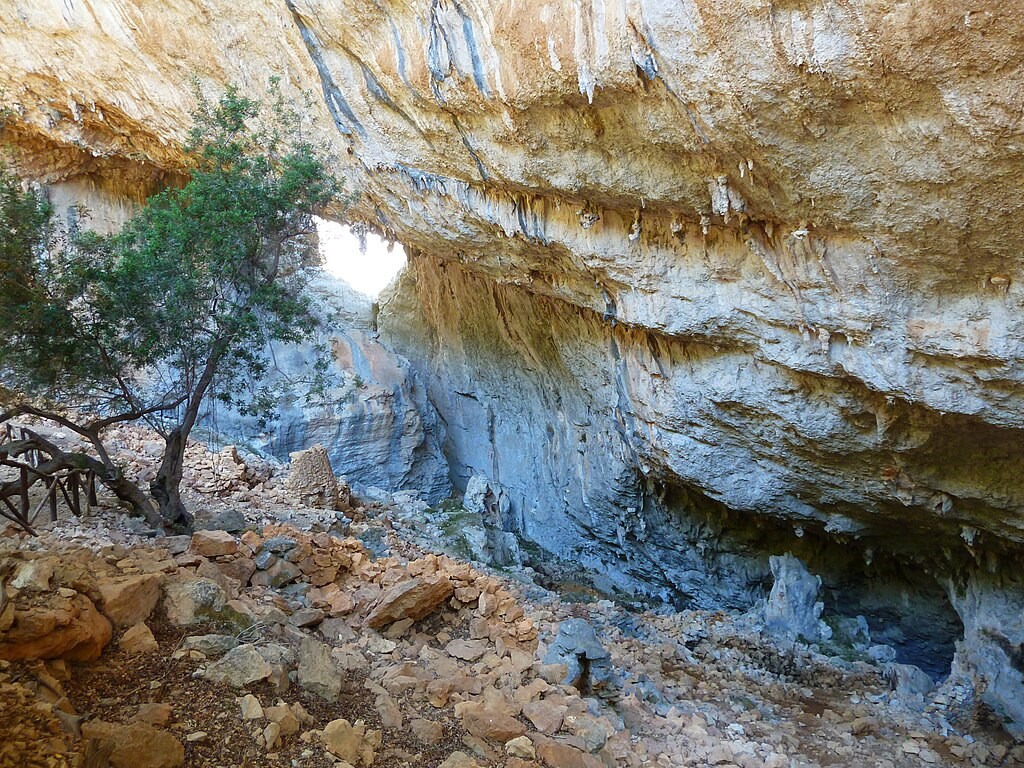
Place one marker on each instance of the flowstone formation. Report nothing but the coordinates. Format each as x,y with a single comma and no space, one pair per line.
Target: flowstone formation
694,284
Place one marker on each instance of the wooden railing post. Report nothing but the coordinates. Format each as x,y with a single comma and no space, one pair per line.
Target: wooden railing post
53,499
76,499
24,492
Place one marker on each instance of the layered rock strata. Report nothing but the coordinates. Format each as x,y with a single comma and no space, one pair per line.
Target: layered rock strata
670,261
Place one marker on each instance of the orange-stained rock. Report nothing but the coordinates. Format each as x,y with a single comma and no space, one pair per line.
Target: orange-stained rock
138,745
213,543
413,599
127,600
563,756
56,627
493,725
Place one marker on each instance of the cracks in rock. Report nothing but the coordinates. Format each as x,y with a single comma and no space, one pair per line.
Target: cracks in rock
344,118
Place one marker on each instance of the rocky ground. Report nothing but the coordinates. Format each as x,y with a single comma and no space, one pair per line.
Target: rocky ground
310,637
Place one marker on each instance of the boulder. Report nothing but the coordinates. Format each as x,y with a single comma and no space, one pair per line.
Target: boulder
189,600
350,742
317,672
467,650
33,576
231,520
413,599
239,667
251,707
493,724
154,713
576,643
61,627
558,755
213,543
127,600
279,573
210,645
793,610
138,745
546,716
910,682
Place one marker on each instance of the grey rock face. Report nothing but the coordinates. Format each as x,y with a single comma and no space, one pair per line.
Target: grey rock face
375,421
588,663
239,667
793,609
991,654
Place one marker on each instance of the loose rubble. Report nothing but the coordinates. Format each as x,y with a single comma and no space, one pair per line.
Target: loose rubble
334,640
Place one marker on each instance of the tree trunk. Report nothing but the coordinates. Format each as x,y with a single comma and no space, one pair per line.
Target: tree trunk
166,486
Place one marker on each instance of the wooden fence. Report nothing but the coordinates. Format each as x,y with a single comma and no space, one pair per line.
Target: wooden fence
69,484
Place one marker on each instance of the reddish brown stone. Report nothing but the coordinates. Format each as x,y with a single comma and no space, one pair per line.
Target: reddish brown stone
65,627
413,599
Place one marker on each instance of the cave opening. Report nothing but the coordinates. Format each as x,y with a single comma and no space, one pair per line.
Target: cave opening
898,597
359,257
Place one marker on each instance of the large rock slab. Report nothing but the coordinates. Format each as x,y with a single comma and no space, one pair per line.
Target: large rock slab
138,745
56,627
239,667
413,599
189,600
317,672
350,742
127,600
213,543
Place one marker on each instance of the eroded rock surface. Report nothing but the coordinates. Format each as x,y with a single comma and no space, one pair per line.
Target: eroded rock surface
670,262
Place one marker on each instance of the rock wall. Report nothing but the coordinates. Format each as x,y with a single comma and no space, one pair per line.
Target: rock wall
374,419
764,255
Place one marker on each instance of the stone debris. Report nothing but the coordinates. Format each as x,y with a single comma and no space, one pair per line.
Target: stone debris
456,666
311,480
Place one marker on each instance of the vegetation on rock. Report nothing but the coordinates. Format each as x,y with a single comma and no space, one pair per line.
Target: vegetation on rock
178,308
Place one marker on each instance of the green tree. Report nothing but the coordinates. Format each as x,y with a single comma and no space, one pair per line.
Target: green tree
180,305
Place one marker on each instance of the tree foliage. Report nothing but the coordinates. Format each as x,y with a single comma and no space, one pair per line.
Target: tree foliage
181,304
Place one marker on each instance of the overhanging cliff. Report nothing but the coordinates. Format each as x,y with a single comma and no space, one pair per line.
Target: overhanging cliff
762,253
